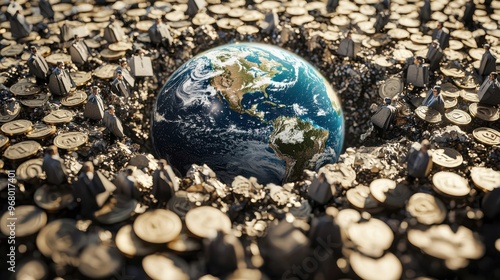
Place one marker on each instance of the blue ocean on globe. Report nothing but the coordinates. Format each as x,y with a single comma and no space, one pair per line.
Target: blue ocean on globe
248,109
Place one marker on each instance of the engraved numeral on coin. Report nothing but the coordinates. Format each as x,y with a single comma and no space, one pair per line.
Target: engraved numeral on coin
445,158
70,140
21,150
60,115
490,136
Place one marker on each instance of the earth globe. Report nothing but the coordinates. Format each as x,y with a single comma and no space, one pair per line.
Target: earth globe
248,109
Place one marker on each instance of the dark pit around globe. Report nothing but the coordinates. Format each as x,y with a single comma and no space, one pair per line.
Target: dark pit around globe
248,109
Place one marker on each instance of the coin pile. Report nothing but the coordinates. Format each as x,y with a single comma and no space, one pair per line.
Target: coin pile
451,220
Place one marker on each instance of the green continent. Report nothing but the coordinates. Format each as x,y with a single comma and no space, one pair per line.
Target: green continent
242,77
296,141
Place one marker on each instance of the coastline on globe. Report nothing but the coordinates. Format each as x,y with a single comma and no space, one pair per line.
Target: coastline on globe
248,109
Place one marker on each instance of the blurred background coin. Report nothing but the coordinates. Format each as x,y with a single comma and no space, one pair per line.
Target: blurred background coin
450,184
205,220
158,226
29,220
484,178
426,208
22,150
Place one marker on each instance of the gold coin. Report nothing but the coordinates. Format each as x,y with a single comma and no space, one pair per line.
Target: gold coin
458,117
382,61
426,208
372,237
38,100
34,19
55,57
203,19
41,130
467,83
270,5
295,11
421,39
4,140
29,220
219,9
450,184
247,29
450,102
62,7
386,267
447,157
330,35
22,150
205,220
180,24
31,169
144,25
427,114
456,45
61,236
106,71
485,179
229,23
441,241
451,71
253,16
486,135
7,62
158,226
16,127
237,12
130,244
77,98
390,88
12,50
25,89
296,20
476,54
461,34
58,116
454,55
401,55
120,46
409,22
175,16
70,140
469,95
485,113
112,55
81,78
159,265
398,33
136,12
93,44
